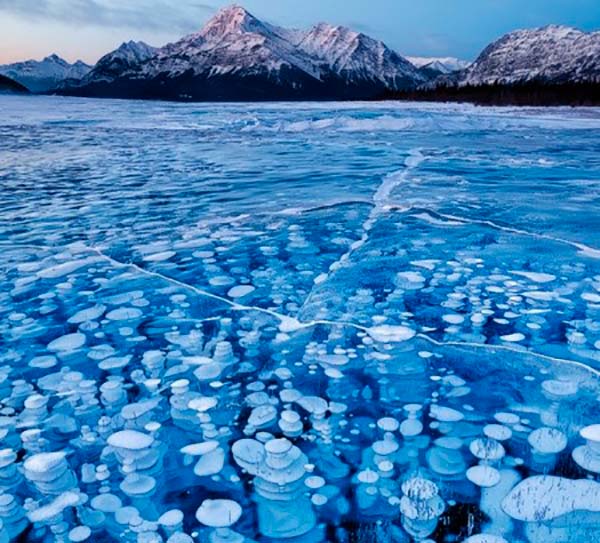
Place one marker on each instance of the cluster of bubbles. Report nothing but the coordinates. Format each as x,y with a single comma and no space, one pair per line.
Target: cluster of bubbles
301,378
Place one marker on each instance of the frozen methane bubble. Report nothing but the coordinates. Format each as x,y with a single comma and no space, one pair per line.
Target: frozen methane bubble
159,257
388,424
10,476
483,476
180,537
421,507
49,473
220,514
487,450
445,457
557,391
513,338
445,414
387,333
55,508
499,432
79,534
12,515
485,538
124,314
67,343
290,423
545,497
588,455
130,441
135,451
171,521
240,291
88,314
212,457
279,470
536,277
546,444
410,280
412,426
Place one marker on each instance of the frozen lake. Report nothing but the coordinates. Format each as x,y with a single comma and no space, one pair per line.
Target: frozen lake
358,322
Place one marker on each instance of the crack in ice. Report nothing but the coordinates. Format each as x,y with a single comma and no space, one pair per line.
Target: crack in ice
506,348
288,323
380,205
27,246
291,324
585,250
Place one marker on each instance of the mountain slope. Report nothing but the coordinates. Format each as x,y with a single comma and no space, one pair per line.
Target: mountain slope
357,57
441,65
552,54
127,56
549,66
238,57
233,41
9,86
40,76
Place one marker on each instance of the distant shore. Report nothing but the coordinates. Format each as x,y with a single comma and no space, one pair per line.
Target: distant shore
526,94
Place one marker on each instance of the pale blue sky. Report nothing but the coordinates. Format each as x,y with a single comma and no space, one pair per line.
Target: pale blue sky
89,28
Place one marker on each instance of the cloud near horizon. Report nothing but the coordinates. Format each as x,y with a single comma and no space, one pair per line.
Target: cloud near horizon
113,13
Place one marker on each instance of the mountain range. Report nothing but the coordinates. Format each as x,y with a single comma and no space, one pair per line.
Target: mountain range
44,75
553,54
439,65
552,65
236,56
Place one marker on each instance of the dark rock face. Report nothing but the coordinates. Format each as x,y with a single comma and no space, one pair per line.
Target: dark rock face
288,85
9,86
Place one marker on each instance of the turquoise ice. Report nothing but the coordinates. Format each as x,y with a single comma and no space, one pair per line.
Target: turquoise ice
298,322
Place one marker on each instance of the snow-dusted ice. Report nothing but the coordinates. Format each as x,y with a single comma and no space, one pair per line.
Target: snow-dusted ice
298,322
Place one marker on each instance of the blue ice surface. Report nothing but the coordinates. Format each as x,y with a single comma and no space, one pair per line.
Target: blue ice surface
298,322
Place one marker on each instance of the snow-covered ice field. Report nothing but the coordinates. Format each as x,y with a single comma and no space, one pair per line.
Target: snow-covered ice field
298,322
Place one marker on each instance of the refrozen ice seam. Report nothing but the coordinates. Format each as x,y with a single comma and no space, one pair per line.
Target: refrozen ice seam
288,324
586,250
380,204
490,347
27,246
291,211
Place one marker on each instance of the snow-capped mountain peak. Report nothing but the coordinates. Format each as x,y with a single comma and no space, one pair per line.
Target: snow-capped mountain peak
233,41
231,20
357,55
55,59
45,74
133,51
552,54
129,55
236,54
329,42
444,65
